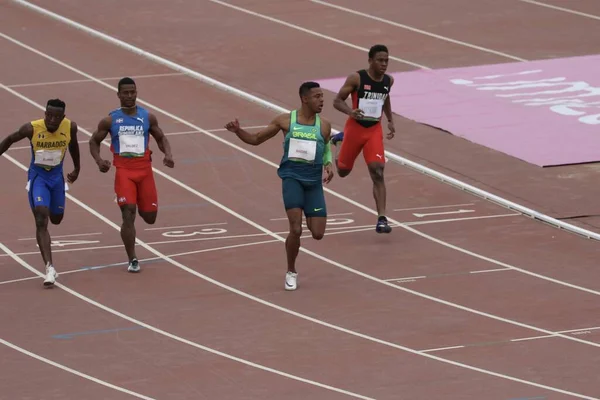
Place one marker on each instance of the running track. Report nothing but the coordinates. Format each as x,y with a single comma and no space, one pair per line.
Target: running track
479,304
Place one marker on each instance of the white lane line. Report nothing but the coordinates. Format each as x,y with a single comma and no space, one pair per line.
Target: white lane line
90,248
73,371
73,235
257,100
264,302
323,258
563,9
419,31
20,85
489,270
438,221
165,333
524,339
392,156
432,207
187,253
461,211
94,268
275,306
575,331
408,278
355,203
444,275
329,230
531,338
443,348
211,130
167,134
185,226
304,219
312,32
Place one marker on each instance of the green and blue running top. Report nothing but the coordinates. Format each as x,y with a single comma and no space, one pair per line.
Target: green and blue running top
303,150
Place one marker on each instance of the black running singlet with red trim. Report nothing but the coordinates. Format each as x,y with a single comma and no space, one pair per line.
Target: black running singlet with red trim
370,97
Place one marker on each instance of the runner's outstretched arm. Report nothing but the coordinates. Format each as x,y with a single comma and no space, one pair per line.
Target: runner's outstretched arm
261,136
25,131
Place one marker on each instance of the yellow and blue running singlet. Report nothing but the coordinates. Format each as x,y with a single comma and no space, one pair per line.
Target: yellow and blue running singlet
46,183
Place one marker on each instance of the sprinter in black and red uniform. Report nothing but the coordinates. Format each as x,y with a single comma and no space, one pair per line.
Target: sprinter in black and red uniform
370,89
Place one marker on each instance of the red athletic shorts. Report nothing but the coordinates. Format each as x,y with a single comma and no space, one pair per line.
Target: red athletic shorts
136,186
357,138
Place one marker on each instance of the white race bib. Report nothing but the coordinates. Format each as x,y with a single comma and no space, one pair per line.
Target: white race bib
302,149
48,158
371,108
131,145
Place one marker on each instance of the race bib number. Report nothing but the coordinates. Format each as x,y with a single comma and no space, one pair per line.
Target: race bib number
302,149
131,145
371,108
48,158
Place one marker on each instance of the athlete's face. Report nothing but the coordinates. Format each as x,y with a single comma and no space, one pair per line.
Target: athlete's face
315,100
379,62
127,94
53,117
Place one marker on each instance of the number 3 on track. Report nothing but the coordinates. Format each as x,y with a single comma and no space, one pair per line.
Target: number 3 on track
207,231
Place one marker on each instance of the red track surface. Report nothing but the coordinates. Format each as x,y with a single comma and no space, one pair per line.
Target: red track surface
374,315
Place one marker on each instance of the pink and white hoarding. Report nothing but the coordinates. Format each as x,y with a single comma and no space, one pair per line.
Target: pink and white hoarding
544,112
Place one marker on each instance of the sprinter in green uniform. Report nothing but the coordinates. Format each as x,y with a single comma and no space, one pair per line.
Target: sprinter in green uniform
306,153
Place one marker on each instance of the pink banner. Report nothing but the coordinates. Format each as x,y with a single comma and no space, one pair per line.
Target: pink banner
544,112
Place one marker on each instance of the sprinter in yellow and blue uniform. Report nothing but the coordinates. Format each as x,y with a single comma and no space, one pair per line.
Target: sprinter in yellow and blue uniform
306,153
50,139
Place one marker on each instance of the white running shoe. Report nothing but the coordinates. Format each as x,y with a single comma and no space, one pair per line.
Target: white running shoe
134,266
290,280
51,275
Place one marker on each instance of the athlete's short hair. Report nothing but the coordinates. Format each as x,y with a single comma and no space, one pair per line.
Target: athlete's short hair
376,49
306,87
58,103
125,81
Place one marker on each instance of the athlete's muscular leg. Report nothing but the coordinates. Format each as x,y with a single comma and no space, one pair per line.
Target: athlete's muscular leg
374,155
342,169
379,191
292,242
128,229
41,215
147,198
127,194
148,216
316,226
315,210
40,202
350,149
57,202
56,219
